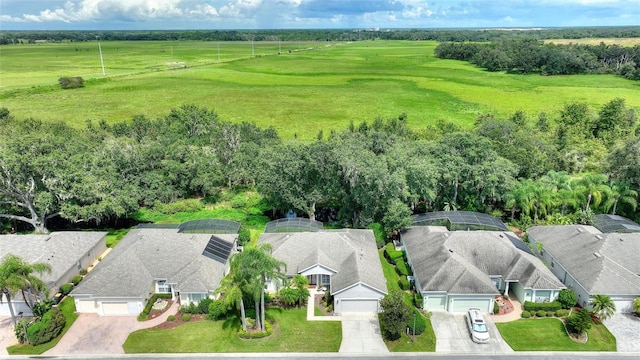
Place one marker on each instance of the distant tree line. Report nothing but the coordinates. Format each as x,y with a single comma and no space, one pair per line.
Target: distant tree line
475,35
550,168
530,55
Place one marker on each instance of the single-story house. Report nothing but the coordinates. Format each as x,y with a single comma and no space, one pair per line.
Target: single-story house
189,266
591,262
458,270
67,252
346,262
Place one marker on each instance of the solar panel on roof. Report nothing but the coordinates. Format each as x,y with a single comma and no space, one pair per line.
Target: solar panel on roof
218,249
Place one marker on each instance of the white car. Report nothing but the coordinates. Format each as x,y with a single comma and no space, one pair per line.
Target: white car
477,326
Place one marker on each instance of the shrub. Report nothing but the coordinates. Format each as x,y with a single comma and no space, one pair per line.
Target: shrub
191,308
404,283
541,313
42,307
203,306
330,308
217,310
76,280
550,313
418,301
186,317
380,235
171,318
71,82
526,314
567,298
534,306
421,323
65,289
562,313
391,254
401,268
186,205
250,322
46,329
20,332
83,272
496,307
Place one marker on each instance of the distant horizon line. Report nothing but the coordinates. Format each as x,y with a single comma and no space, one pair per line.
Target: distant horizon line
505,28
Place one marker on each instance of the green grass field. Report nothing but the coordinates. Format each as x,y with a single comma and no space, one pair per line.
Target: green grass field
308,87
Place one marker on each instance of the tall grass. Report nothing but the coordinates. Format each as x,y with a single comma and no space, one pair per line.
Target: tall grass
322,86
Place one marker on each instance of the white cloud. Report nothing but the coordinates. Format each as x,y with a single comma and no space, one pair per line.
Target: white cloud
7,18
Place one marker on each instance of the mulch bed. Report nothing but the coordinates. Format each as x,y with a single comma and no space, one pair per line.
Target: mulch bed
318,302
178,321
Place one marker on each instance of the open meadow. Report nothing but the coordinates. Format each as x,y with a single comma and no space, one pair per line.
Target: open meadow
310,86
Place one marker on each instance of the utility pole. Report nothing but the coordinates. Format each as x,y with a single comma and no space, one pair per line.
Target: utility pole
101,60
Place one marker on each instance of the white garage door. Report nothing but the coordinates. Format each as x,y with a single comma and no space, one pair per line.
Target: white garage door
623,306
359,305
87,306
462,305
433,302
119,308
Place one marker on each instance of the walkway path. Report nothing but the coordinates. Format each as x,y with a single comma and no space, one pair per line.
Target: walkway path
511,316
311,302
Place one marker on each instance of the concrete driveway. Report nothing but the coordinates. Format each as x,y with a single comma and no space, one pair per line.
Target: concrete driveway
452,336
361,334
7,336
626,329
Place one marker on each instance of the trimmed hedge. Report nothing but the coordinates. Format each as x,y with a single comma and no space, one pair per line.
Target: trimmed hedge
186,317
256,335
147,309
76,280
562,313
403,283
550,306
541,313
418,301
401,268
526,314
217,310
496,307
392,255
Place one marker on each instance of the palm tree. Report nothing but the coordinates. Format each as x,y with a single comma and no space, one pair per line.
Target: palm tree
594,187
621,193
231,290
17,275
602,306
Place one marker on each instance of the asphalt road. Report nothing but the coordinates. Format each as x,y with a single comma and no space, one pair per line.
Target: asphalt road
311,356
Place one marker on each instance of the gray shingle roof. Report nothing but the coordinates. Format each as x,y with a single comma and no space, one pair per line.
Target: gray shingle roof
460,262
145,255
601,263
61,250
352,253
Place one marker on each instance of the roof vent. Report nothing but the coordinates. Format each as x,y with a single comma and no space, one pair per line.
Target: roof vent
445,235
579,230
47,238
599,237
451,251
597,255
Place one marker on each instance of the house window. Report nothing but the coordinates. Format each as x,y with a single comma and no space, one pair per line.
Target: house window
163,287
79,264
553,264
325,280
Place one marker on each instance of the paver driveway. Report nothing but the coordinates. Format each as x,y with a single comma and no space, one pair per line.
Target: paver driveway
361,334
626,329
94,334
452,336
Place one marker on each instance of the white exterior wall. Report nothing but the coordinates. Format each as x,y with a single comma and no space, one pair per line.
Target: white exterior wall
90,305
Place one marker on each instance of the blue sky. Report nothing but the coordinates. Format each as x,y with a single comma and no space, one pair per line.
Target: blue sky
305,14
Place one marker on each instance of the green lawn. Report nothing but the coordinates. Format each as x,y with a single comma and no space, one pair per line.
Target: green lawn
68,308
549,335
299,93
292,333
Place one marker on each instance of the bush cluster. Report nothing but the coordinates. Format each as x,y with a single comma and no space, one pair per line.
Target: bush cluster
201,308
404,283
217,310
244,236
579,322
76,280
567,298
418,301
186,205
562,313
401,268
550,306
47,328
541,313
392,255
71,82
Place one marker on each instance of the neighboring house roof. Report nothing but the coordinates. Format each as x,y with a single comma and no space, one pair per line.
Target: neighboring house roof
608,223
62,250
145,255
602,263
351,253
460,262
